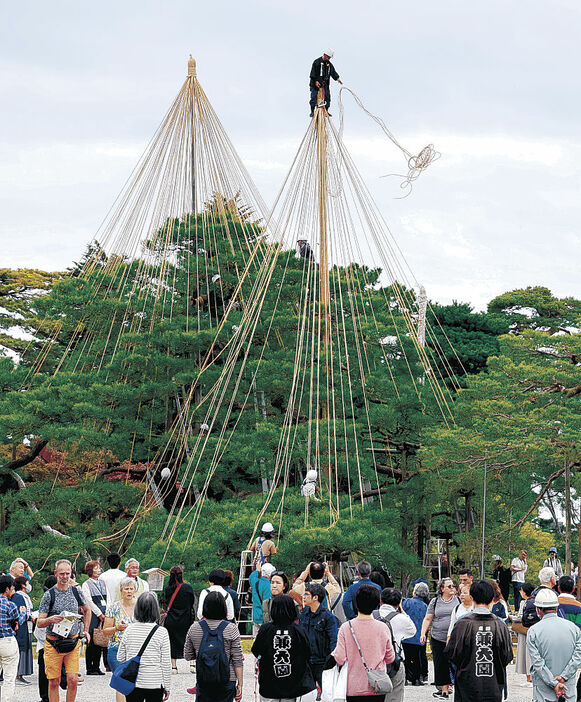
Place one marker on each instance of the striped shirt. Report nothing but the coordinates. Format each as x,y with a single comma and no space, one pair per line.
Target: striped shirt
9,612
155,666
232,644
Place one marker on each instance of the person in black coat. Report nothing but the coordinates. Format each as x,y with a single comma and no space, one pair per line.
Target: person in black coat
322,71
480,647
180,615
282,649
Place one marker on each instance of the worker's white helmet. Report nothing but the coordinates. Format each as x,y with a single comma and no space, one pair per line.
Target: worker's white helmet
329,52
546,599
312,475
268,569
267,527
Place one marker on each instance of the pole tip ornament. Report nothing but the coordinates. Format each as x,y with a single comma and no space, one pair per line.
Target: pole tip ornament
192,66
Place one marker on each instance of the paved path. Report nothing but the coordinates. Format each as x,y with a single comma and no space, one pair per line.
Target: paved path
97,688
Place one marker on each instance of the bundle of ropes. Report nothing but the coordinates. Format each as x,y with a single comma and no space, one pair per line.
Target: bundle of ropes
351,322
188,219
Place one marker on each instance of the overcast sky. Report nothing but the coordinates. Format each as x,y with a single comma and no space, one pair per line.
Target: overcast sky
494,85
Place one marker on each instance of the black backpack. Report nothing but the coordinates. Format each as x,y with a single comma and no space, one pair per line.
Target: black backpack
393,667
212,666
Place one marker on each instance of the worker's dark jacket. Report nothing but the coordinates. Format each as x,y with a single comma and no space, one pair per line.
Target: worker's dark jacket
321,628
322,71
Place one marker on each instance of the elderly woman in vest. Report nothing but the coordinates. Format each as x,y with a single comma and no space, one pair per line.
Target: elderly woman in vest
95,593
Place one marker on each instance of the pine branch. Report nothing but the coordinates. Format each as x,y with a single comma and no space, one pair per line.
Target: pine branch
27,458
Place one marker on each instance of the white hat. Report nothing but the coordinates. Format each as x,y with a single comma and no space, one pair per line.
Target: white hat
546,599
268,569
496,557
267,527
330,53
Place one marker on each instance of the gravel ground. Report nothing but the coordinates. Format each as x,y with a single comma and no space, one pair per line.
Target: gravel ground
97,688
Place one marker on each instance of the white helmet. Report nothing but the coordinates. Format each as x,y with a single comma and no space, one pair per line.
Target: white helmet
267,527
329,52
268,569
546,599
311,475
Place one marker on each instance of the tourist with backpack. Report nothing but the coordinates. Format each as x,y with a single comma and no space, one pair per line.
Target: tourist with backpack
154,675
401,627
214,643
63,639
282,650
217,578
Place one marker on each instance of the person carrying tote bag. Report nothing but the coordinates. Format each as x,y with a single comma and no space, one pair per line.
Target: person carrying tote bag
154,676
365,644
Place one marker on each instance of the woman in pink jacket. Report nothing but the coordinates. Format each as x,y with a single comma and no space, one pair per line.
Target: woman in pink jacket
375,642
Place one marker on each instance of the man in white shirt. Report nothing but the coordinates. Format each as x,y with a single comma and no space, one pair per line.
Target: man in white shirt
518,568
402,627
216,579
112,577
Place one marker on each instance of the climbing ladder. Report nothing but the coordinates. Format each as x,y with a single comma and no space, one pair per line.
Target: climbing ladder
245,614
347,571
433,557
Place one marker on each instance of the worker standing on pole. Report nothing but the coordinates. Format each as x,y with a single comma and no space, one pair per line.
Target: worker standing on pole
321,73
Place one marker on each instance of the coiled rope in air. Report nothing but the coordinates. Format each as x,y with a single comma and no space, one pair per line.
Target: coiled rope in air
416,164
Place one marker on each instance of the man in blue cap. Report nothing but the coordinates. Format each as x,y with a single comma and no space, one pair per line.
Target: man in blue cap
553,562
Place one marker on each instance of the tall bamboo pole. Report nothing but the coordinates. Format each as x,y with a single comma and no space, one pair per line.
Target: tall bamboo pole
567,569
324,284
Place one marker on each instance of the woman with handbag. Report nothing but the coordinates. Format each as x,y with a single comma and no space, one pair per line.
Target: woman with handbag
95,594
438,617
178,617
282,650
117,618
24,632
364,643
154,675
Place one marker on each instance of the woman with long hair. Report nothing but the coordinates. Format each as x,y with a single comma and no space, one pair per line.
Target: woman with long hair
180,603
499,606
437,618
282,649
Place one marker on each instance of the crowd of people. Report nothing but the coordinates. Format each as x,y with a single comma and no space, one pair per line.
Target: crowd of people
310,639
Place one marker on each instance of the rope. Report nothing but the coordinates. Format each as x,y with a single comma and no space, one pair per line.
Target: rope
416,164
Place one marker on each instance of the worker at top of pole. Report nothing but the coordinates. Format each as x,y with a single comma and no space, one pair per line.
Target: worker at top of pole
322,71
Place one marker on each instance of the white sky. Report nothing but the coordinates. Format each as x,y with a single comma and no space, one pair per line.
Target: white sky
494,85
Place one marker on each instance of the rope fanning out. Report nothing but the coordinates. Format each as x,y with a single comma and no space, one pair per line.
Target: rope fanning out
416,164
